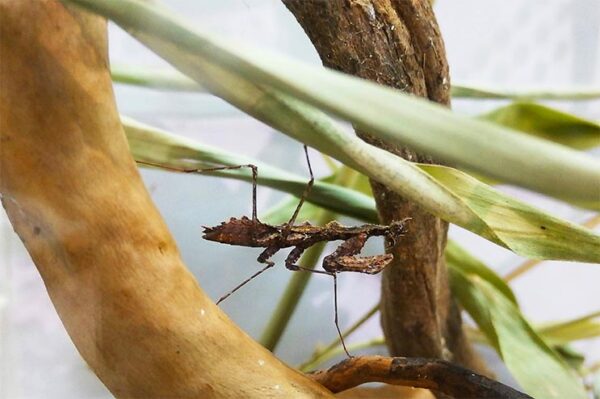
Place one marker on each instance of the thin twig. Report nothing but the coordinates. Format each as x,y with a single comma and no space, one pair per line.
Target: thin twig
434,374
531,263
338,350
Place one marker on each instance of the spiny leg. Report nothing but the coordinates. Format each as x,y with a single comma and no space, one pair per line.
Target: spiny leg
290,264
262,258
293,257
351,246
344,258
306,190
215,169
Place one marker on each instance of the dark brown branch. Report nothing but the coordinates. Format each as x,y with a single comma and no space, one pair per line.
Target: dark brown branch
398,43
434,374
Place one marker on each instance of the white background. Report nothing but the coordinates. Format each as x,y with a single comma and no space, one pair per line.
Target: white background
507,43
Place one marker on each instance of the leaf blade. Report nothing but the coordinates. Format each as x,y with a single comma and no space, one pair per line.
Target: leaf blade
425,126
314,128
547,123
540,371
158,146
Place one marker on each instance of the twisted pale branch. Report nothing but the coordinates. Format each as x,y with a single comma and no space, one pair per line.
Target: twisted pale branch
75,198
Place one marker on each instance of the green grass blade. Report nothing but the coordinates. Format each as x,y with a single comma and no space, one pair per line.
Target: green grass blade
526,117
574,94
522,227
311,126
154,79
548,123
170,80
462,260
157,146
483,147
537,367
585,327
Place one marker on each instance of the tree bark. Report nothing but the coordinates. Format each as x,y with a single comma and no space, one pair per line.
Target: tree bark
434,374
398,43
75,198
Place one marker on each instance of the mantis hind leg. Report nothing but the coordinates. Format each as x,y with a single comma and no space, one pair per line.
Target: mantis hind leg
290,264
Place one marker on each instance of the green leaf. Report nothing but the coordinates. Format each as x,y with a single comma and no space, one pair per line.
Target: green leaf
538,368
190,53
567,331
157,146
171,80
467,91
535,119
571,356
548,123
462,260
390,114
155,79
555,335
524,228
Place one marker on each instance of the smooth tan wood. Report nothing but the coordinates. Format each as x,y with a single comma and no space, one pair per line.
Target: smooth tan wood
75,198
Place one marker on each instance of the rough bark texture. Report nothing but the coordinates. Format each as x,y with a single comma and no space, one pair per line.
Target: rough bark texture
74,196
398,43
438,375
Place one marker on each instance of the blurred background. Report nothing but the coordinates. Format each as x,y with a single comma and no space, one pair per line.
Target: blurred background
512,44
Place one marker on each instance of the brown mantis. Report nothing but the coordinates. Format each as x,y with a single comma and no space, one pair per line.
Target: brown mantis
253,233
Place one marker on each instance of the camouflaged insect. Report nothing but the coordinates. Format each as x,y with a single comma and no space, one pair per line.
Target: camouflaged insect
253,233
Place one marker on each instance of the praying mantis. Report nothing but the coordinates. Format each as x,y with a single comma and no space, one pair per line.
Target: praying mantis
251,232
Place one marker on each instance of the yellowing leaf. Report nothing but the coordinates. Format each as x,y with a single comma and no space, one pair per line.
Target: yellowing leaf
548,123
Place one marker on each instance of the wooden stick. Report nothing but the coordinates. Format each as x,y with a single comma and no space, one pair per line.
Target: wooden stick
434,374
404,50
75,198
